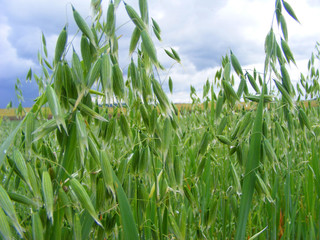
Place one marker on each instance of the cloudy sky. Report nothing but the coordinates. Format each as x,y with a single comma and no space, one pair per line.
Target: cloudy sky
201,31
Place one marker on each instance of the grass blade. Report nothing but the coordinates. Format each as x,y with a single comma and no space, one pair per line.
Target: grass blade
5,231
127,220
251,166
7,207
37,229
23,200
6,144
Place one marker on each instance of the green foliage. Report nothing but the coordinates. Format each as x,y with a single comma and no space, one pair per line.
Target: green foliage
143,169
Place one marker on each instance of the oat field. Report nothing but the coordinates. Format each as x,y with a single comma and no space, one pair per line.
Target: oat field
214,169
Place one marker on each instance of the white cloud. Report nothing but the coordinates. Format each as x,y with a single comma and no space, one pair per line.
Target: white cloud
201,31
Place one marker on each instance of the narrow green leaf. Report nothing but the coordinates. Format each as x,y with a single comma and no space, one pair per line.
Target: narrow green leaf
37,229
127,220
252,164
7,206
6,144
77,227
5,230
258,233
23,200
175,227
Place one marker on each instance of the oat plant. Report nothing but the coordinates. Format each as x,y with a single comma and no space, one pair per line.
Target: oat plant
118,160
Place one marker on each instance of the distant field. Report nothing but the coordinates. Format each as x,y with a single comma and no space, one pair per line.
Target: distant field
11,113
